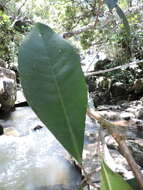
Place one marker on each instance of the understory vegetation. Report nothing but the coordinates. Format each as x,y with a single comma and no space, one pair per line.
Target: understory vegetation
47,66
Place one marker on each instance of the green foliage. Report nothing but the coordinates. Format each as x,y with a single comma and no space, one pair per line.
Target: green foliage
70,12
110,35
6,36
125,21
54,86
67,15
86,39
111,180
113,4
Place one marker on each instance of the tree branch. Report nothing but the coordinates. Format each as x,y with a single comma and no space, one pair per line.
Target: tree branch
112,69
75,32
85,28
120,139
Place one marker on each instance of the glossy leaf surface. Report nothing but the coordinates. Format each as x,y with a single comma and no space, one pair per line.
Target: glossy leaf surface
111,180
54,85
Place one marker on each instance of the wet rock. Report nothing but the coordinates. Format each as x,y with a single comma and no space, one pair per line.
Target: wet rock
102,64
1,130
127,118
38,127
103,83
139,113
109,107
7,89
91,83
105,91
136,148
101,90
138,86
111,143
20,98
126,115
118,89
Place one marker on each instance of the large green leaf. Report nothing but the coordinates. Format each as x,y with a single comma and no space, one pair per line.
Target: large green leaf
54,85
111,180
124,19
113,4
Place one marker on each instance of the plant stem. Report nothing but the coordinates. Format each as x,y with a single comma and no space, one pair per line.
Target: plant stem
120,139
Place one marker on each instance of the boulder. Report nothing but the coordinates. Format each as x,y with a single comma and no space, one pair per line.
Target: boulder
7,89
136,148
102,64
118,89
138,86
2,63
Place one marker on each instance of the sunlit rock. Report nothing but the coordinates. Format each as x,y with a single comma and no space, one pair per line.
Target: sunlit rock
7,89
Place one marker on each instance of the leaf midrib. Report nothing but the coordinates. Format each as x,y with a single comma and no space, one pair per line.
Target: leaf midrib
63,106
107,178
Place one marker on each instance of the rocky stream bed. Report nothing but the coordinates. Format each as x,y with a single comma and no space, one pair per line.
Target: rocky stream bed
28,148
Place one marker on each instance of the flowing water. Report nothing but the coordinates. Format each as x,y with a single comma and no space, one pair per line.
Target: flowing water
34,160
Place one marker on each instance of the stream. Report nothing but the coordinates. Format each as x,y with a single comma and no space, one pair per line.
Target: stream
31,157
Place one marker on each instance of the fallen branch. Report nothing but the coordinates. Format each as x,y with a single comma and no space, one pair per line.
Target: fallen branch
114,68
120,139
